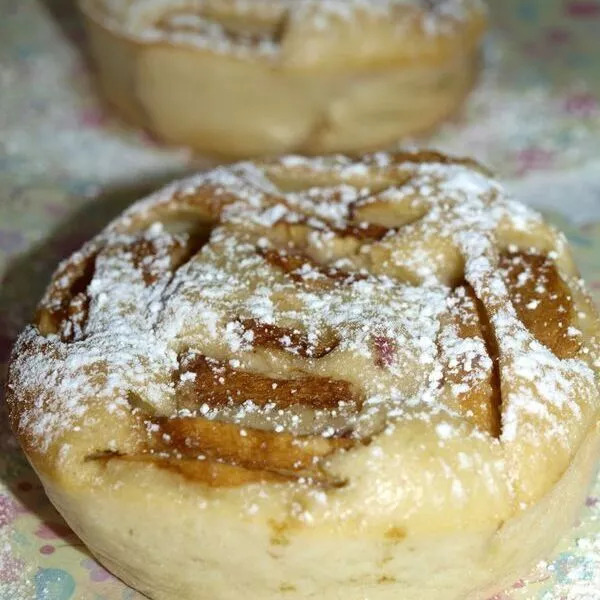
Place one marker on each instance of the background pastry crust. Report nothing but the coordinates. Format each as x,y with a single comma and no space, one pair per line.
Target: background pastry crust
449,318
252,78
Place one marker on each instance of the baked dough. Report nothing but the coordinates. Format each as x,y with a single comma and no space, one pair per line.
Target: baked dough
241,78
316,378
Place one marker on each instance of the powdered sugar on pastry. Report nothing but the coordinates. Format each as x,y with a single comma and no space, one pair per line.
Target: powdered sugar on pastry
299,274
368,346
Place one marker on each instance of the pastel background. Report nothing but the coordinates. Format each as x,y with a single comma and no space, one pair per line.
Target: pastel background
67,166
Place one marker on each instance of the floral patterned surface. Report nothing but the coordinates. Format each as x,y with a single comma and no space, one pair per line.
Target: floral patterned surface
67,166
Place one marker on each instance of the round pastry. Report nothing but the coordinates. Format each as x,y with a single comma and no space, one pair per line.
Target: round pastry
316,378
241,78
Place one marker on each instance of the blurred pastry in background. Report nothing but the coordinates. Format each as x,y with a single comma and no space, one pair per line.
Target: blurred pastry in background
238,78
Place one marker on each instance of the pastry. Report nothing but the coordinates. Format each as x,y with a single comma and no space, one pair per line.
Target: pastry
241,78
316,378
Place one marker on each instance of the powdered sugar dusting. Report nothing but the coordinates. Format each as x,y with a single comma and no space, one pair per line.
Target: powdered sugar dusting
349,271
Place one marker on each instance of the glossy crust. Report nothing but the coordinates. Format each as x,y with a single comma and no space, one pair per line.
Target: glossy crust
316,378
336,76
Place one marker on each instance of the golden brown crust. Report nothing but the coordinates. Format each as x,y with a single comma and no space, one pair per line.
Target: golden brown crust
542,301
216,383
481,403
215,454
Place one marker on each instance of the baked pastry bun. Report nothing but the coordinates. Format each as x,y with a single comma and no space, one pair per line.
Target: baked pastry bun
260,77
316,378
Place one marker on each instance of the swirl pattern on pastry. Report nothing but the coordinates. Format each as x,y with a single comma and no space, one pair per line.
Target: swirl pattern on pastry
359,344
